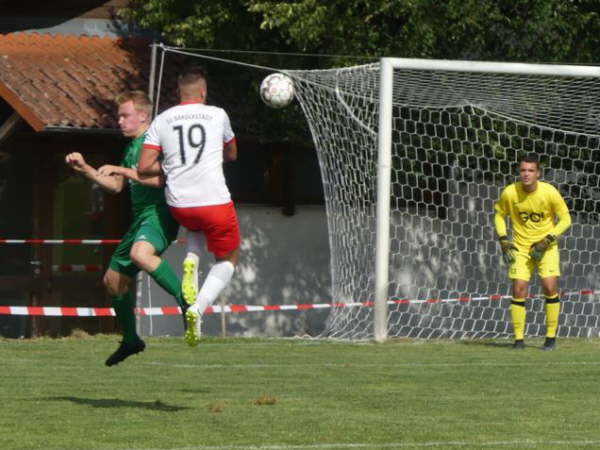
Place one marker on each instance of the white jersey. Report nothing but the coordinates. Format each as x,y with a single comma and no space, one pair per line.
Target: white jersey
191,137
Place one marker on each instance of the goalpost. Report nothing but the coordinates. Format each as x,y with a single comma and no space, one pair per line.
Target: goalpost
413,155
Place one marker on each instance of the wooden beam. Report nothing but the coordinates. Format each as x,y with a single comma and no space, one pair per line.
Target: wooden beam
21,108
9,126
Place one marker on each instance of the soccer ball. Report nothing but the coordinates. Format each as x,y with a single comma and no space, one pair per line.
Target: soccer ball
277,90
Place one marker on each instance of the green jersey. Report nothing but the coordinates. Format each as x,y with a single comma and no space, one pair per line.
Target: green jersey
143,198
152,220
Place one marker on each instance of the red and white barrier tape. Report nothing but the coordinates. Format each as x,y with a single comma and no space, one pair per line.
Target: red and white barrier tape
77,268
61,311
174,310
70,241
62,241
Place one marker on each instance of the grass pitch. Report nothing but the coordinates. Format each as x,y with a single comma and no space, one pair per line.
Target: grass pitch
299,394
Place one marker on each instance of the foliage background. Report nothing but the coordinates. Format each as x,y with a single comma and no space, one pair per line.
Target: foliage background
512,30
349,32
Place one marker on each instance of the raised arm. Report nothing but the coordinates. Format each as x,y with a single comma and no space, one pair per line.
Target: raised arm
132,174
113,183
148,164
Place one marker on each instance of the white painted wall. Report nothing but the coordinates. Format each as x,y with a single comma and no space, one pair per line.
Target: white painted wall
284,260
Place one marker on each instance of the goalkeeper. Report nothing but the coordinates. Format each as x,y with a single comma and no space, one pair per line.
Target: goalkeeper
538,215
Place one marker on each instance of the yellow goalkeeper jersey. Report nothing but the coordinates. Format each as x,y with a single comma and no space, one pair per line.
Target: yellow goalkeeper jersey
533,215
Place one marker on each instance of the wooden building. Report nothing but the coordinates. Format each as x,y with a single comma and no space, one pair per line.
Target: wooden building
60,68
60,71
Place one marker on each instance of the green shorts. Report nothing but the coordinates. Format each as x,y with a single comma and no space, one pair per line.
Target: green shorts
156,227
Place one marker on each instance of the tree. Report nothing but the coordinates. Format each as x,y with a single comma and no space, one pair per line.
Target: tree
205,23
562,31
222,25
524,30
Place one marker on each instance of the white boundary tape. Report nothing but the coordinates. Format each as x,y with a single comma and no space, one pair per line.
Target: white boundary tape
77,268
174,310
70,241
392,365
524,443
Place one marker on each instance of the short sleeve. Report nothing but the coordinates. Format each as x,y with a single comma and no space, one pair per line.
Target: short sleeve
228,134
152,140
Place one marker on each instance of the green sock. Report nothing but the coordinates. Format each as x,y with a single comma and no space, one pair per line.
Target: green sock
123,306
167,279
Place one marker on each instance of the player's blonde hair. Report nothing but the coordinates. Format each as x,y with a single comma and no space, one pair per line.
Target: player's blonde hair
140,100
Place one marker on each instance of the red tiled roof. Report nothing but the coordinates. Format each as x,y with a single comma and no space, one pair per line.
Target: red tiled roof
70,81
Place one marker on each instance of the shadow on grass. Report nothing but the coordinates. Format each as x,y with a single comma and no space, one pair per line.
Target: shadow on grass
486,343
156,405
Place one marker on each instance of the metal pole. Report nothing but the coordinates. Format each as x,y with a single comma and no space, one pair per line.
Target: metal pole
496,67
384,165
223,321
152,75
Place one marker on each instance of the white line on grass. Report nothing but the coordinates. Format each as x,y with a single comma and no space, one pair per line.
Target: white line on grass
443,444
273,342
19,360
351,365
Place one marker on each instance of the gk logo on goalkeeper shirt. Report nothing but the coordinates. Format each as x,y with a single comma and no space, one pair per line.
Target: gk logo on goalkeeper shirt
534,217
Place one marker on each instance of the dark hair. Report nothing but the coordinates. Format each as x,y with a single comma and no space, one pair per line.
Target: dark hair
192,74
533,159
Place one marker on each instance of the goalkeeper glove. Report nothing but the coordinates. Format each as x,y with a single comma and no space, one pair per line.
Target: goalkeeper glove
538,248
508,250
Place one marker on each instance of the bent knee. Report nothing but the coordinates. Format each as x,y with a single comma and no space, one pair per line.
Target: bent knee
115,283
520,290
141,252
520,293
137,255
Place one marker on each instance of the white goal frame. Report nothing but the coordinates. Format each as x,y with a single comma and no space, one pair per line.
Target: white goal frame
384,147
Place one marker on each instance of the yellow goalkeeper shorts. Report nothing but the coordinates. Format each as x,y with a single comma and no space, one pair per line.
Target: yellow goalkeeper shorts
524,265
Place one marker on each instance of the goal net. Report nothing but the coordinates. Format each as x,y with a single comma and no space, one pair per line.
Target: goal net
456,135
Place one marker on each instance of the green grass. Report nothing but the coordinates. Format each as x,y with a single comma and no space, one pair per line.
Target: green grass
299,394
